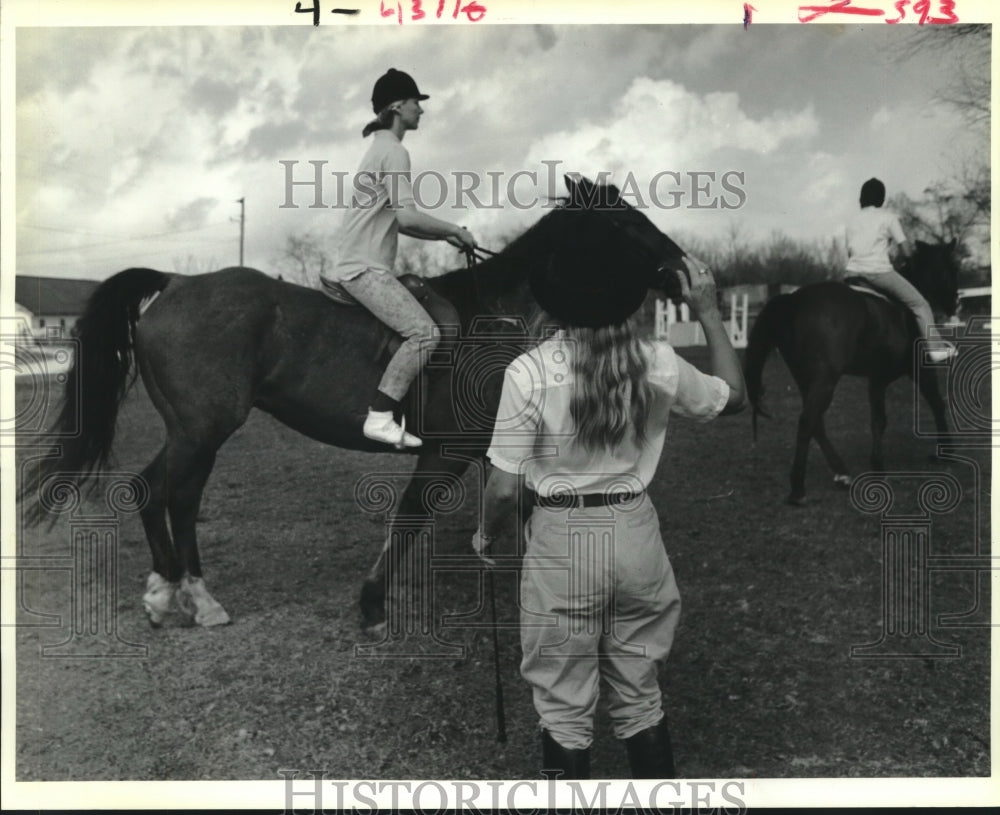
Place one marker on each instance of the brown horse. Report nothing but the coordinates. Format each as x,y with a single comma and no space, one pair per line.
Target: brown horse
826,330
212,347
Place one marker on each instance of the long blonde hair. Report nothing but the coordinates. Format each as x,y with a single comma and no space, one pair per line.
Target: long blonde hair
612,396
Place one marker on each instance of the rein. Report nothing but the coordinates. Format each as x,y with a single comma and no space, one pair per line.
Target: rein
474,255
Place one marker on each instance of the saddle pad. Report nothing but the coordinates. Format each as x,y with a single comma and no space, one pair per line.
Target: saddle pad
862,287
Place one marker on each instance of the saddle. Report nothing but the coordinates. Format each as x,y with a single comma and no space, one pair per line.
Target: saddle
440,309
861,285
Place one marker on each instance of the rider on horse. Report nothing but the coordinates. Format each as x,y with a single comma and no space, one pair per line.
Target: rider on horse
382,207
873,237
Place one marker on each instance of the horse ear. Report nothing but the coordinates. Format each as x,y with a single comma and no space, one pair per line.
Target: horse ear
577,185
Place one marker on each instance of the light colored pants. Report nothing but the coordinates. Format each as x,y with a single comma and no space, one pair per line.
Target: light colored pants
899,287
598,600
389,300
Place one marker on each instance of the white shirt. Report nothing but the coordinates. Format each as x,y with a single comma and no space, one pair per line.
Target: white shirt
370,233
534,432
869,236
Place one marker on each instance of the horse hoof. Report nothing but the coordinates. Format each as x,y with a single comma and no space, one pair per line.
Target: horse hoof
796,500
843,481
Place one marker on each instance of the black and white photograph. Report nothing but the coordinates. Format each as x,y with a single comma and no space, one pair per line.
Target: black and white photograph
469,405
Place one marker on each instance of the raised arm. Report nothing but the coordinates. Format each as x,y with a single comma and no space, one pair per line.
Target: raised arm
700,295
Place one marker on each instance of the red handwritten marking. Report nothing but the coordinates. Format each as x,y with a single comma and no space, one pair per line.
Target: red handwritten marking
840,7
390,12
947,8
920,7
898,5
473,11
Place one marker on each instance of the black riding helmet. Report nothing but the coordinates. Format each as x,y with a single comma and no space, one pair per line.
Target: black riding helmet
392,86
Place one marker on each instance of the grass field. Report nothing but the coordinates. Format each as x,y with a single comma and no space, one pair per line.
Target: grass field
761,682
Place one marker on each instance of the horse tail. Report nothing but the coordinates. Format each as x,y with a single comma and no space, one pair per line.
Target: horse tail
767,330
98,380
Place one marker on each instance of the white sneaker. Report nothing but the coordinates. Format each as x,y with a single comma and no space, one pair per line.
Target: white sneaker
942,354
380,426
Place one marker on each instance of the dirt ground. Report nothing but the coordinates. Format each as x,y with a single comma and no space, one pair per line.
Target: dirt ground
761,682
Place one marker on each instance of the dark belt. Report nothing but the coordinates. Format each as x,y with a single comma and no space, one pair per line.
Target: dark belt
568,500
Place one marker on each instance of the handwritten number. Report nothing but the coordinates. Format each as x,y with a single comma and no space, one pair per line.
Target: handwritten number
314,11
899,6
948,9
473,11
396,12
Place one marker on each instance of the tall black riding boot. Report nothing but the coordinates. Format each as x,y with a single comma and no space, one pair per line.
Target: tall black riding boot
575,764
649,752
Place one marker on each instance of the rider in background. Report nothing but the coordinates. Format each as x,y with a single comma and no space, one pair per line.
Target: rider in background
874,237
382,207
581,422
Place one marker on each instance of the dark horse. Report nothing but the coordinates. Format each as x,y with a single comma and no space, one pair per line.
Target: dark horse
211,347
826,330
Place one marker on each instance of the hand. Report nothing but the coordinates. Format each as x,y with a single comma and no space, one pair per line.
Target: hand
700,293
462,238
481,545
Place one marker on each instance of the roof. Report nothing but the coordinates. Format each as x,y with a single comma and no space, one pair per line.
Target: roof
53,295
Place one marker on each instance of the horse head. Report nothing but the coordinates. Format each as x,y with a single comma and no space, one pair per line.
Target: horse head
590,212
933,269
640,243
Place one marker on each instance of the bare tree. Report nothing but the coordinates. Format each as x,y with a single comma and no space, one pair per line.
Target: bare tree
304,258
193,265
956,210
965,48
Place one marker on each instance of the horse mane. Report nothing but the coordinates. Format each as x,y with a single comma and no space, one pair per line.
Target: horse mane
496,276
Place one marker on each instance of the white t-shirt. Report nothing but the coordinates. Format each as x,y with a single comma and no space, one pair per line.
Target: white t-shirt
869,236
534,432
371,233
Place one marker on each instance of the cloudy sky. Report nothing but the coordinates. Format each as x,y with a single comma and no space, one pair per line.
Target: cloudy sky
134,143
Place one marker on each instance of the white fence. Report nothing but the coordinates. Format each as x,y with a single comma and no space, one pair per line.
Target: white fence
674,324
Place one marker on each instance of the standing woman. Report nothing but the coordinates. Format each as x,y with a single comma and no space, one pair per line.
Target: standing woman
581,423
382,207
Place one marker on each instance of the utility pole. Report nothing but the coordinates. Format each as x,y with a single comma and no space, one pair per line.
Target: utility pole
242,203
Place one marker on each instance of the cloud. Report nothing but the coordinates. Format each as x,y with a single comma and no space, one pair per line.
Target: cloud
881,118
192,215
659,124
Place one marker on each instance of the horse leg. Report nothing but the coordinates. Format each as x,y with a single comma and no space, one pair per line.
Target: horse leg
434,474
840,475
189,465
931,391
162,583
876,401
816,399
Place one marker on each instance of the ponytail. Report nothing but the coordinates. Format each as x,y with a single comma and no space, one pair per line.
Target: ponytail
383,121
